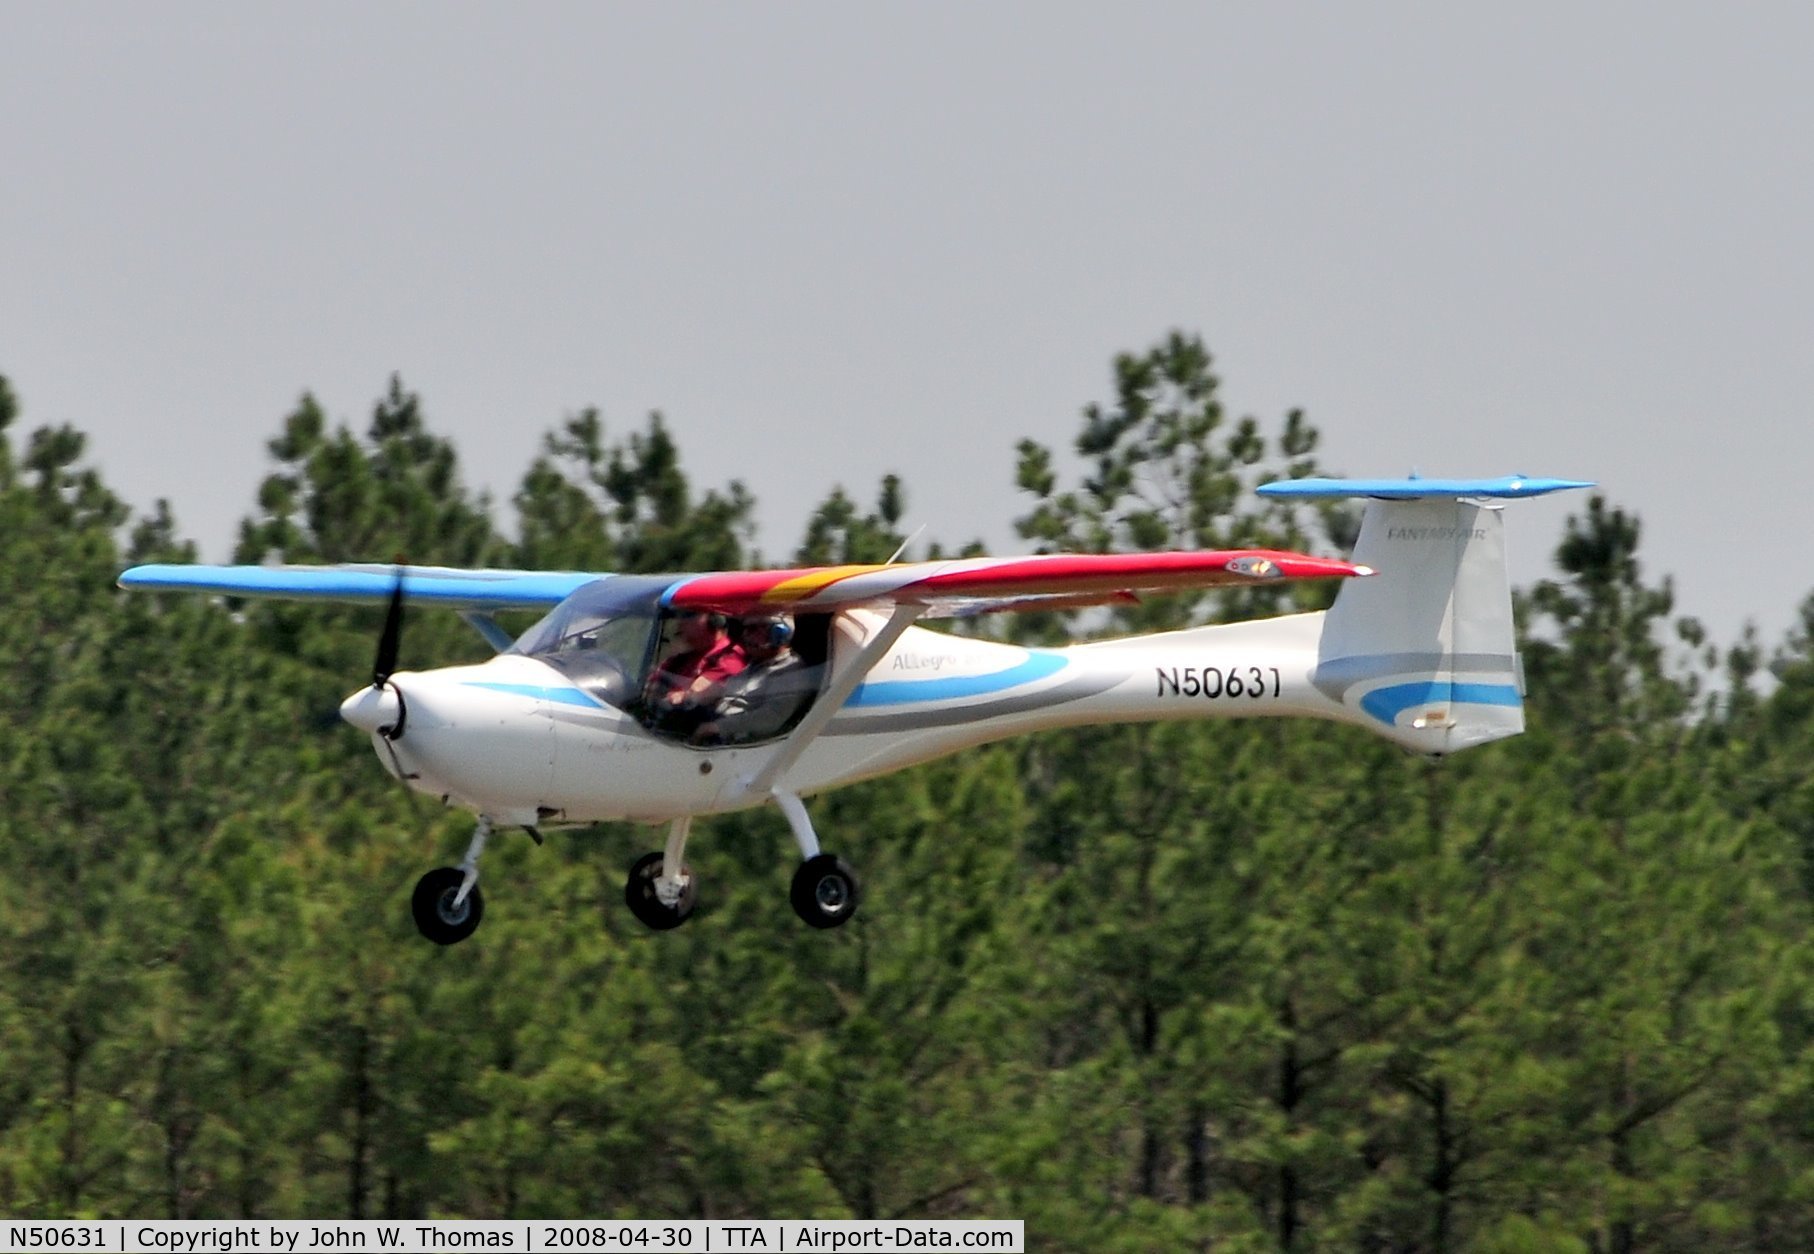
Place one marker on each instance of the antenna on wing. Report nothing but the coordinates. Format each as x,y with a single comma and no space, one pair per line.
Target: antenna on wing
909,540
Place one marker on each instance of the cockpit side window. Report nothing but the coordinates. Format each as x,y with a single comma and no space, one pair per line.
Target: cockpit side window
601,637
736,679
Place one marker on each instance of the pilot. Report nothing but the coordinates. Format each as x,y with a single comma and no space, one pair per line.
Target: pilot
762,699
684,688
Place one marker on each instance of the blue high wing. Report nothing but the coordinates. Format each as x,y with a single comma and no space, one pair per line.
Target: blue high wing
434,585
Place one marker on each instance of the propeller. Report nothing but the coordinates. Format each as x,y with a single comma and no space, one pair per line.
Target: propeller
392,637
385,664
381,709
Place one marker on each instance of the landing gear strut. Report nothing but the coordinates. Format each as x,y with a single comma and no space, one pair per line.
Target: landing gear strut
825,890
447,904
661,889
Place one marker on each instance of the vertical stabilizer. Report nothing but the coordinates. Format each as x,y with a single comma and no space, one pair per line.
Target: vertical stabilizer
1425,649
1425,652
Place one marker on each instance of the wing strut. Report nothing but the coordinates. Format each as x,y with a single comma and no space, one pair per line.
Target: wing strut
833,698
487,626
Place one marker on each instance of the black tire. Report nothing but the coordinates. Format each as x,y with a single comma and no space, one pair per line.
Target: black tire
825,891
432,905
639,894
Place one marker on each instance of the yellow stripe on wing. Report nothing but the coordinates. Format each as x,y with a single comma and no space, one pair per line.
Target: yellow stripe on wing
802,586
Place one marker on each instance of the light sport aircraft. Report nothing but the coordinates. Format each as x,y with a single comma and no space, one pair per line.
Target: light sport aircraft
584,718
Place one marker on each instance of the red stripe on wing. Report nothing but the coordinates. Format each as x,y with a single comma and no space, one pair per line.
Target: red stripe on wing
1061,574
1118,572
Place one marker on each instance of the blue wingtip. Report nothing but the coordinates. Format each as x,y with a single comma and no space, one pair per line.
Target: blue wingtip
473,589
1508,487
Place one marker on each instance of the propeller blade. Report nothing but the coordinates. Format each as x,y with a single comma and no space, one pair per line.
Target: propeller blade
391,639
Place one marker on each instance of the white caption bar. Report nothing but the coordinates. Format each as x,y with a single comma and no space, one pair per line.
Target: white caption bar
542,1236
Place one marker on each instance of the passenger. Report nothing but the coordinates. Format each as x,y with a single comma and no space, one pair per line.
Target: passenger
760,701
685,688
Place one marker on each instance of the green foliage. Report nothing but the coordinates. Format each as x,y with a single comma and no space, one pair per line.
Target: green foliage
397,493
1605,666
625,507
1250,986
1165,472
838,535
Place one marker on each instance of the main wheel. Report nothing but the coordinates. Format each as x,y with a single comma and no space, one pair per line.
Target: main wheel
639,894
825,891
433,905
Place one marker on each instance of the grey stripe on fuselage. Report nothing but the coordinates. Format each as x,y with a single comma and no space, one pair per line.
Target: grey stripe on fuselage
906,720
951,715
1335,677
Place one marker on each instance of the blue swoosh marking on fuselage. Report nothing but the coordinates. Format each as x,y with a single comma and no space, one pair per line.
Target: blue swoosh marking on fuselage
1386,704
903,691
560,696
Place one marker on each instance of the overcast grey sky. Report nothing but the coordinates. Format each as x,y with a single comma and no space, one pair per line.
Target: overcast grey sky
1549,239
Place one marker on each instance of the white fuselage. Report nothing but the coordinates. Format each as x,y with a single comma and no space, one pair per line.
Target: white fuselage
516,739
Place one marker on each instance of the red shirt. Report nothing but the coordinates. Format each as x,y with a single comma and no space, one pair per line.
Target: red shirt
716,663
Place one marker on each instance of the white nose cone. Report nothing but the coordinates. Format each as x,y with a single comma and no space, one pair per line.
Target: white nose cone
371,708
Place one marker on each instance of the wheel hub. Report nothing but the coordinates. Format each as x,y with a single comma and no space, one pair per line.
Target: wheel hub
449,913
831,894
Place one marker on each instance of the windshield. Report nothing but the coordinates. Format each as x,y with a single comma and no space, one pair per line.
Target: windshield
601,636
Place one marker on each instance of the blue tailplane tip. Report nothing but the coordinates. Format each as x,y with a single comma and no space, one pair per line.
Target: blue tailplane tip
1508,487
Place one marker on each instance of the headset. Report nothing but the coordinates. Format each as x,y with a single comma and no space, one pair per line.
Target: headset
775,632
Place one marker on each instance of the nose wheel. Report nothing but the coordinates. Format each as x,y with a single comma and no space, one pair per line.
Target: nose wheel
447,904
442,914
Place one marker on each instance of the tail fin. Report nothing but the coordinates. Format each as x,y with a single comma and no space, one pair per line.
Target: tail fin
1424,652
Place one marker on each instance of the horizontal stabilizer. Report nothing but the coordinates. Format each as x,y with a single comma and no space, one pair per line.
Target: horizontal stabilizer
1414,488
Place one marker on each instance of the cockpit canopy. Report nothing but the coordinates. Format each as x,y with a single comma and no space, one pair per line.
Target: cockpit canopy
611,637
